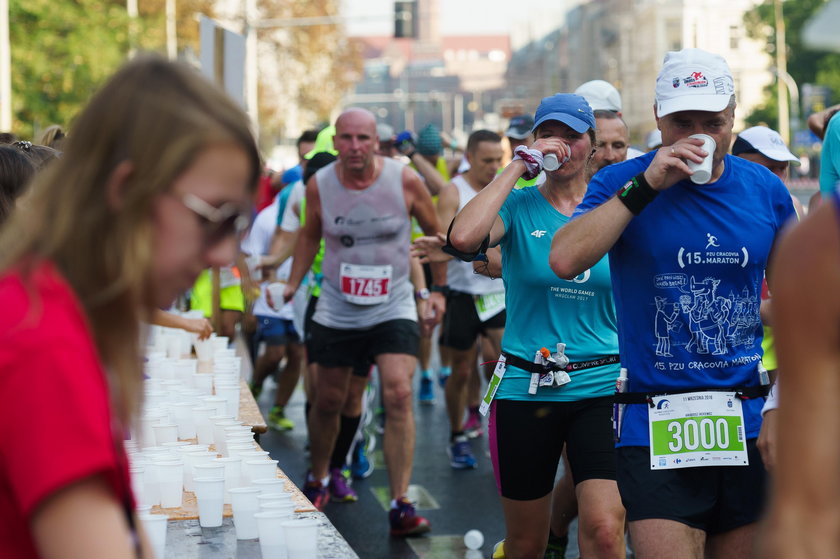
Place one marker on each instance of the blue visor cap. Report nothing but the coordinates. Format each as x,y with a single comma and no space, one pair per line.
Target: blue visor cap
568,108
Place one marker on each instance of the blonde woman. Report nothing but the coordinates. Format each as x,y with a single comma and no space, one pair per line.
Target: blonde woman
152,189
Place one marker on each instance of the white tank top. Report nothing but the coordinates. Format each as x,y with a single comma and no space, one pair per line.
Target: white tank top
460,275
367,234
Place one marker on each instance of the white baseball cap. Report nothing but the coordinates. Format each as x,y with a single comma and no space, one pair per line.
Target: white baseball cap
601,95
693,80
653,139
765,141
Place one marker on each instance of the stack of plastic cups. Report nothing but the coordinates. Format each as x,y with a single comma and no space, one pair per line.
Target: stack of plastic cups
219,433
301,537
235,449
184,453
245,505
184,370
209,492
209,469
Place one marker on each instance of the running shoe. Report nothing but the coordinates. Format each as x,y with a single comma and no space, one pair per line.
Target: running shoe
340,491
362,464
499,550
317,493
461,455
277,419
405,521
472,426
427,393
556,548
443,375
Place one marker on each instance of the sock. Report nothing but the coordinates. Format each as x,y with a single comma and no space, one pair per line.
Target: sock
454,435
346,433
426,373
310,477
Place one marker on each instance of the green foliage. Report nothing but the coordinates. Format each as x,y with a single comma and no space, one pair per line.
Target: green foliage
61,51
803,64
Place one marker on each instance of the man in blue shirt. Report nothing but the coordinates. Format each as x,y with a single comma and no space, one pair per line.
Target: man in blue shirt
686,279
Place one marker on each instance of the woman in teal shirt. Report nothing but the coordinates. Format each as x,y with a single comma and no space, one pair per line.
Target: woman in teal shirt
529,430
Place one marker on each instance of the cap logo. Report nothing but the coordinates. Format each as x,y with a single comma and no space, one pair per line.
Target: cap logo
696,79
675,83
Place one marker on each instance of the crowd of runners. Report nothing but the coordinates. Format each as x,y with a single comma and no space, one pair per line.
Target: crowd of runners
590,303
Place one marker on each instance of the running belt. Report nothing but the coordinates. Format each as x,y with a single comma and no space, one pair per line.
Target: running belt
532,367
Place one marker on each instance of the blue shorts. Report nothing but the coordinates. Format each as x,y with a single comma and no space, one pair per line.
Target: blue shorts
276,331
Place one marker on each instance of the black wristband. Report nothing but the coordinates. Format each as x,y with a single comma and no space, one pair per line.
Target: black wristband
440,289
637,194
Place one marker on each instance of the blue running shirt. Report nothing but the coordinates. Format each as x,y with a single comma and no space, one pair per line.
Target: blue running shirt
543,309
687,276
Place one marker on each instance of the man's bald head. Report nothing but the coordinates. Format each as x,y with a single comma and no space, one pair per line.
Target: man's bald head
356,139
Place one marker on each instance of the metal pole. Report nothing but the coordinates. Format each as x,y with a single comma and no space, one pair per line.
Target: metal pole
133,14
251,66
781,65
5,69
171,35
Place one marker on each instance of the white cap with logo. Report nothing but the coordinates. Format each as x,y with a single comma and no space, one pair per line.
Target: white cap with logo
601,95
693,80
765,141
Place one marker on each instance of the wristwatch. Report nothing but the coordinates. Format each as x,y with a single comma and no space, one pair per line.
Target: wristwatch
422,294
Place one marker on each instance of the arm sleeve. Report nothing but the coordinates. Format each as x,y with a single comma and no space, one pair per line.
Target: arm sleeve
830,158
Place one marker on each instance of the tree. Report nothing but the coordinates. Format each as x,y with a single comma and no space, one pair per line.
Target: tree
803,64
304,70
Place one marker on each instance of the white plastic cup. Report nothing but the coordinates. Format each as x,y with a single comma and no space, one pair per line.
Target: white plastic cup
210,494
301,538
170,477
155,527
270,485
258,469
703,170
233,450
192,459
272,535
244,505
138,485
165,433
550,162
203,425
203,382
283,497
231,393
184,419
209,469
474,539
274,293
233,474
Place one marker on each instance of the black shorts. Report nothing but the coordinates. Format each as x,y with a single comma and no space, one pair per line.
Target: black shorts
332,347
715,499
360,368
527,439
461,325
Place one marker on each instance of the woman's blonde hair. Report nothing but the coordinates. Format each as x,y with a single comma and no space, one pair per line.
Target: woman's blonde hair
158,116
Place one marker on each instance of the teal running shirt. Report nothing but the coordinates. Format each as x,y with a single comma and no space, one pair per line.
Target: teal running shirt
543,309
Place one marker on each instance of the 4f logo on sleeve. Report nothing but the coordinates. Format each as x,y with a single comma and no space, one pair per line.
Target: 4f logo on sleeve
538,233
